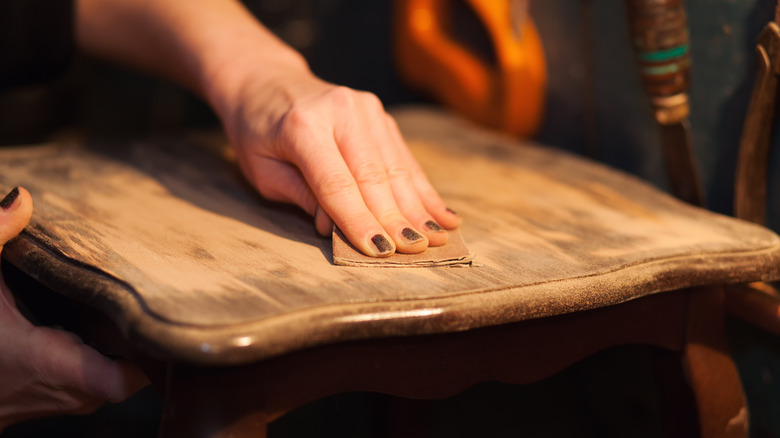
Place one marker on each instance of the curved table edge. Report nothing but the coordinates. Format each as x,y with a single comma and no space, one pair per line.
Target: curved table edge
329,324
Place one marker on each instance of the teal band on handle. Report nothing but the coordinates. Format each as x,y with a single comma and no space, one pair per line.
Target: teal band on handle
665,55
665,69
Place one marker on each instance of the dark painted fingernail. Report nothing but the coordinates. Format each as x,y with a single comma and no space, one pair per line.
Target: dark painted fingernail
411,235
9,199
382,244
452,211
433,226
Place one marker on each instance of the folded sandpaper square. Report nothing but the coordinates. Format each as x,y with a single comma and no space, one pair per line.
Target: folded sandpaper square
454,253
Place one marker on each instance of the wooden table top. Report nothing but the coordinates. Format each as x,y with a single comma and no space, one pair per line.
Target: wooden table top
166,238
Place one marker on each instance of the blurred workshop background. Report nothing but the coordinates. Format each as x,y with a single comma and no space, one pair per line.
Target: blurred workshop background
594,107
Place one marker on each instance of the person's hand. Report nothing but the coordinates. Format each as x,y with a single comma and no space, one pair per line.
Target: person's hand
331,150
338,155
44,371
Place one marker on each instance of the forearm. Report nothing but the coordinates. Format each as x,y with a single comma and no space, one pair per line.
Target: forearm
205,45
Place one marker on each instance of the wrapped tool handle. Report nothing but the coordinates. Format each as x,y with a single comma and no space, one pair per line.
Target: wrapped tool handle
659,33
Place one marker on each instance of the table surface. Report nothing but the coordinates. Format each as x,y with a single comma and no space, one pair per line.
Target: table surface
165,237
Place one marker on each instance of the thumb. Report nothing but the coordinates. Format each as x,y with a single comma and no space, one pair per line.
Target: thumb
15,211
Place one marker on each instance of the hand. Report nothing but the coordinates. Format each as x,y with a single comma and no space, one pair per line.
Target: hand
331,150
48,372
338,155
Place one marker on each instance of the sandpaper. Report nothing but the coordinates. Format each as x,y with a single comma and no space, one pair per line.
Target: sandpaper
454,253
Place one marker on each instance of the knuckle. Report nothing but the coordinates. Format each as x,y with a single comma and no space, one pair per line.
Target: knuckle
342,97
371,174
390,216
294,131
372,100
295,121
334,185
400,173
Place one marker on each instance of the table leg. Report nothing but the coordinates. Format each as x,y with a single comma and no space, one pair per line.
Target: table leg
209,404
711,370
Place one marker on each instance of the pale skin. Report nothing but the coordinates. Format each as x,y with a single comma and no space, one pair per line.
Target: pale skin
331,150
44,371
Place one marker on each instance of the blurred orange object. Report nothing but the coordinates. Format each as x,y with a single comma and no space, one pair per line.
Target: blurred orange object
483,58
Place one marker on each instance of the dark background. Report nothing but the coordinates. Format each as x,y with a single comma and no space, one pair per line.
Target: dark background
348,41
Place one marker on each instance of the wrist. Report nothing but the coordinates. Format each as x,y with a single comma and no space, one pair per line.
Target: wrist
229,76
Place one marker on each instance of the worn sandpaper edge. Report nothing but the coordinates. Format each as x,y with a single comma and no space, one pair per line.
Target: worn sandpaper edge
465,261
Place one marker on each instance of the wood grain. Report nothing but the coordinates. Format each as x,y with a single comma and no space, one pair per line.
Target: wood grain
195,267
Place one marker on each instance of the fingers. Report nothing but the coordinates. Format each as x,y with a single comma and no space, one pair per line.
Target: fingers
82,374
404,174
322,222
427,194
43,371
15,212
335,188
337,154
49,372
111,380
364,147
281,182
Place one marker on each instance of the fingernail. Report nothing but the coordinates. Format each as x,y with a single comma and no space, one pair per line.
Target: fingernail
452,211
411,235
9,199
382,244
433,226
